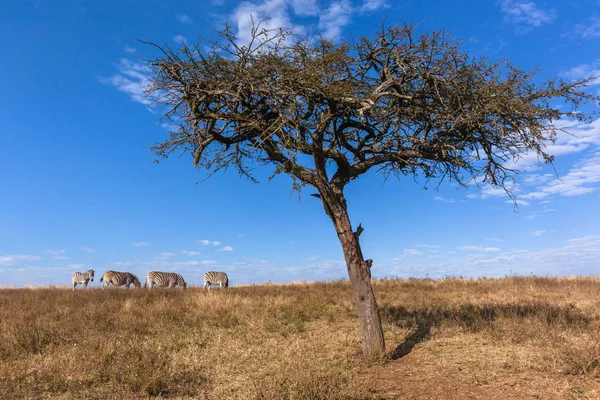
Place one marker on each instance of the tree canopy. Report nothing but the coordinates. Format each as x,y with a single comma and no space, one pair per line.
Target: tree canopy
401,102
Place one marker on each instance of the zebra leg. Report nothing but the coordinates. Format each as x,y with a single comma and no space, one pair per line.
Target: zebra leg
74,284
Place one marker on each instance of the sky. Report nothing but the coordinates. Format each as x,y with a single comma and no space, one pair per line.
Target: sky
79,189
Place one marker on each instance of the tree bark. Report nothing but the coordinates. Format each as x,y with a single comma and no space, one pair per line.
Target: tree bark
359,272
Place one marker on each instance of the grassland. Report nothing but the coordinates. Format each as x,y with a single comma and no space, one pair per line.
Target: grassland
512,338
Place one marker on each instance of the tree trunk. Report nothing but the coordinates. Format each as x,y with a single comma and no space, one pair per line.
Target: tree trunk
359,272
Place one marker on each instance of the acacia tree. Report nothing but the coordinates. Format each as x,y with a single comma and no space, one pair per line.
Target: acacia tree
325,113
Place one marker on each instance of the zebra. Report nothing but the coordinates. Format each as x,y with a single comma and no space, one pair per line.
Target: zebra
163,279
120,279
216,278
82,278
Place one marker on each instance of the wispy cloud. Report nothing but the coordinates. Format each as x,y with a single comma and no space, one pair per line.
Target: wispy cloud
538,233
129,49
494,239
479,248
590,28
205,242
412,253
272,15
226,249
186,19
88,249
191,253
180,39
335,18
54,252
586,71
526,13
133,79
165,255
15,259
374,5
305,7
538,185
581,179
575,257
140,244
443,199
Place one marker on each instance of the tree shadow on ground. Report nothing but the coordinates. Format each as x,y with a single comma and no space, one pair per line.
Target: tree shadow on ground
475,318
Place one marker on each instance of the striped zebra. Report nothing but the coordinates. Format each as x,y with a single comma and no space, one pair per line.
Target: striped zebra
216,278
120,279
163,279
82,278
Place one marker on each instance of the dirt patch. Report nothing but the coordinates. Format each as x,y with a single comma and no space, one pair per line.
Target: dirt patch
471,367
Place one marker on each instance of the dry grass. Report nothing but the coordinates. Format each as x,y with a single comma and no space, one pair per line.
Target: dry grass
299,341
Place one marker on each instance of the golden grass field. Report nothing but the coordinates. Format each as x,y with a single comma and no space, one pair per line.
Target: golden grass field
511,338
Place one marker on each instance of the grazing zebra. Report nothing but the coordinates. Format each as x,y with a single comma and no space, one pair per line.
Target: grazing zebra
164,279
216,278
82,278
120,279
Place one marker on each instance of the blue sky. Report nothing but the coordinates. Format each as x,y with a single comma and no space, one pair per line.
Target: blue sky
78,188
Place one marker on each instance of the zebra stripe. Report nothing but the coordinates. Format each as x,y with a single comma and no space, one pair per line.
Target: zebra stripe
164,279
120,279
216,278
82,278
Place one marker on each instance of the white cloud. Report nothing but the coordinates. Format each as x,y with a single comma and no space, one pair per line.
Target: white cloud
140,244
526,13
578,256
539,213
406,254
129,49
16,259
242,235
479,248
335,18
133,79
275,14
271,14
538,233
180,39
494,239
443,200
590,28
373,5
520,202
165,255
581,179
313,258
208,242
305,7
88,249
191,253
585,71
54,252
226,248
186,19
